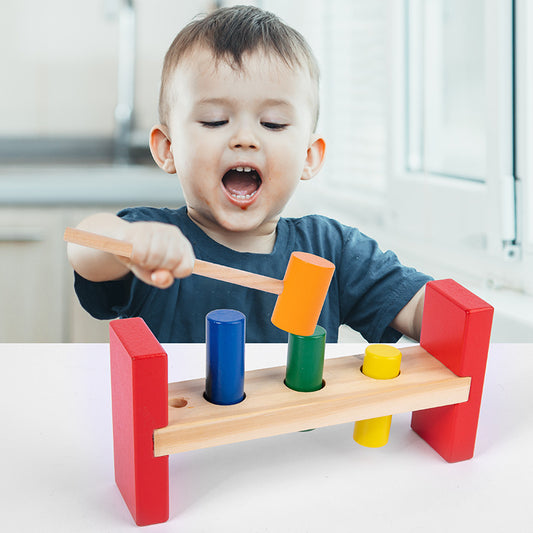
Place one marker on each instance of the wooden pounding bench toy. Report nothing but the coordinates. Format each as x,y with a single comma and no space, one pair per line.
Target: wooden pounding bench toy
440,382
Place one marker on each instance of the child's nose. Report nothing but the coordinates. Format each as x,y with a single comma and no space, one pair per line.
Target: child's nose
244,138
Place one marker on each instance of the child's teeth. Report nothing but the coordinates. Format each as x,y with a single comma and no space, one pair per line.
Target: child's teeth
243,169
243,196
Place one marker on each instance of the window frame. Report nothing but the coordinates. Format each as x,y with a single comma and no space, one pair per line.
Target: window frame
465,226
524,136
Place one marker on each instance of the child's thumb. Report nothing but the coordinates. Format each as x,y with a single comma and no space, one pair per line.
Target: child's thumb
162,278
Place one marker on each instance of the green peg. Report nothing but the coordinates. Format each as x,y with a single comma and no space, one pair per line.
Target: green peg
305,361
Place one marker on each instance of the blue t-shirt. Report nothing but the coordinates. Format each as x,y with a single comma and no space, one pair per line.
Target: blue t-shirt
367,291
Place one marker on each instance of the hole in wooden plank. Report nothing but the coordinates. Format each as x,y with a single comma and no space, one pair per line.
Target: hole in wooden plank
227,404
296,390
178,402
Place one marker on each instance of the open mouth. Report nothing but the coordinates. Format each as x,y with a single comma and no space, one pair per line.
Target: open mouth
241,183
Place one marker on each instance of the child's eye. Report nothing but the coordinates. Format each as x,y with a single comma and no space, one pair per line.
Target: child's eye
274,125
213,123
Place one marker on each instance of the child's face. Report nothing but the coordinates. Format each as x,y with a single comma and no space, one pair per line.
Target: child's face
240,140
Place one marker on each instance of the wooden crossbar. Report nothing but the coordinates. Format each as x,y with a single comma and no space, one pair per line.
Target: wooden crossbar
270,408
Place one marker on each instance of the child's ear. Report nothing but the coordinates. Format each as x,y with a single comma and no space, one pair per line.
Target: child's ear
160,146
315,158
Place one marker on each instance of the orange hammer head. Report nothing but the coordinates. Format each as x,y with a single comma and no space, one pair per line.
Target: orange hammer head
305,286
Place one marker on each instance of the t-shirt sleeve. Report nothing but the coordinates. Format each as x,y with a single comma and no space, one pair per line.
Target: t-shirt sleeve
106,299
374,287
112,299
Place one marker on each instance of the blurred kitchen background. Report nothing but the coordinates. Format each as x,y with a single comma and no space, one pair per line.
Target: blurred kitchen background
426,107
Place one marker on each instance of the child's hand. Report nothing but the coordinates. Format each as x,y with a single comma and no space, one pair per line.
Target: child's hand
160,253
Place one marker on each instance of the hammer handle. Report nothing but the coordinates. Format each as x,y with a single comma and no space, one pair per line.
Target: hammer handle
239,277
201,268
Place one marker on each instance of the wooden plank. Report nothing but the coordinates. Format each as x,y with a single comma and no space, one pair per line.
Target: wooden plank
139,380
456,330
270,408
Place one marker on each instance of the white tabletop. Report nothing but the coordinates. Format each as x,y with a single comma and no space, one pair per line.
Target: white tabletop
56,465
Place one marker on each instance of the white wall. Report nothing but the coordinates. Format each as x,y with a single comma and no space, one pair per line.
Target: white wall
58,72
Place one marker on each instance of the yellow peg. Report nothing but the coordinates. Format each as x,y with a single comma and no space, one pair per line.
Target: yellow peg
381,362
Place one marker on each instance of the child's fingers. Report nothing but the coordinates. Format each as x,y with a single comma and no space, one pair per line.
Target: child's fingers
183,267
162,278
160,253
161,246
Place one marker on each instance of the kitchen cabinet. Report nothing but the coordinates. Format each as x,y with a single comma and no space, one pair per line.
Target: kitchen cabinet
32,289
37,299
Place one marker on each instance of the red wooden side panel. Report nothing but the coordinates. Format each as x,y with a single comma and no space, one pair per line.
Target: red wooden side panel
456,330
139,387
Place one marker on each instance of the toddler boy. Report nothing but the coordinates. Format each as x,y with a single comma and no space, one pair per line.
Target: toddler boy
238,112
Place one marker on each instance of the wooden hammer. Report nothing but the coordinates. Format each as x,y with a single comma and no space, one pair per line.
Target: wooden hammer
301,293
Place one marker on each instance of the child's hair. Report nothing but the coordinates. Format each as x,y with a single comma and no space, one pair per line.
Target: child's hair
230,33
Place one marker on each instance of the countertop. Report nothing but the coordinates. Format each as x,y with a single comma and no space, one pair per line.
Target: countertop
89,185
57,463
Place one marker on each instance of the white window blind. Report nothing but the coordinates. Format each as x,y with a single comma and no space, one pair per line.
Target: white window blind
355,89
349,38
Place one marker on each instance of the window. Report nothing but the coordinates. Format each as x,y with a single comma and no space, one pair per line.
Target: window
351,42
445,88
524,134
454,131
427,110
